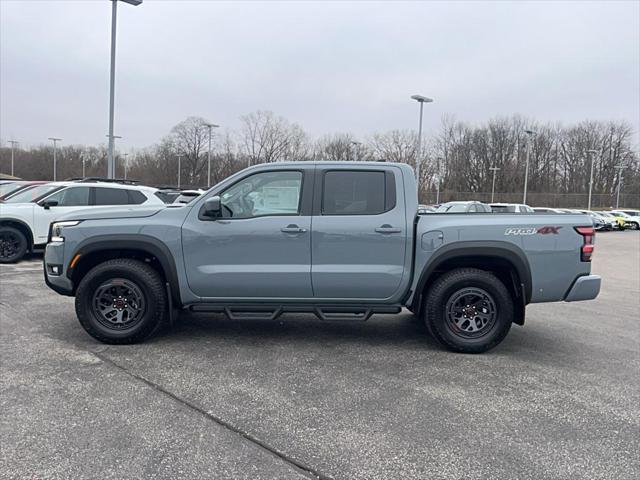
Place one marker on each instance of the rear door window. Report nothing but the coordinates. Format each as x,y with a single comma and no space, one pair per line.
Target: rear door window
111,196
354,193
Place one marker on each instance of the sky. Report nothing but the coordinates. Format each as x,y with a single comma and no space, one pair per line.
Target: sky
329,66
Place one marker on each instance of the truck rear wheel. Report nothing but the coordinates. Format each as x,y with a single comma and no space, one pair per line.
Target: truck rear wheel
468,310
121,301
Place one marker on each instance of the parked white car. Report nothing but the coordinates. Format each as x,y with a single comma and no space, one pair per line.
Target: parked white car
25,218
631,217
510,208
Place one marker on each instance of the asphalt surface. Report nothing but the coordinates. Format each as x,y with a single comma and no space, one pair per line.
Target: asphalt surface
299,398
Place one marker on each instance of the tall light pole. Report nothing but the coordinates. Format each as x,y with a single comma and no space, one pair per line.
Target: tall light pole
530,133
438,171
620,168
55,142
421,100
84,161
125,155
13,144
210,126
111,166
493,183
590,153
355,149
179,159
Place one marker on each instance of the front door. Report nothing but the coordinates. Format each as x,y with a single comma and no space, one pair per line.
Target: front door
261,245
359,234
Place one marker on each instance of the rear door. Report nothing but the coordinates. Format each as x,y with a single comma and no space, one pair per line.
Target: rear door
359,236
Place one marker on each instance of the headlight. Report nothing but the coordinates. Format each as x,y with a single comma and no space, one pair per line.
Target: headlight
56,229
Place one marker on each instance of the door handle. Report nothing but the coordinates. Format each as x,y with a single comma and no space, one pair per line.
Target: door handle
386,228
292,228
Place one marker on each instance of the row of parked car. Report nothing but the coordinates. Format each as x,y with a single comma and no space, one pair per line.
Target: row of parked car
27,208
602,220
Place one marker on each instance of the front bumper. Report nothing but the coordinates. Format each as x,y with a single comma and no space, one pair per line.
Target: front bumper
584,288
54,255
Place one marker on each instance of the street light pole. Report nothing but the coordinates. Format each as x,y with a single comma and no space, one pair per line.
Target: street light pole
13,144
438,171
125,155
84,160
590,154
493,183
179,159
620,168
529,133
209,126
55,141
111,166
421,100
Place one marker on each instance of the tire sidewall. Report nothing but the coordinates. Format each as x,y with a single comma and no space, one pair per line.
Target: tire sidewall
437,320
87,316
22,249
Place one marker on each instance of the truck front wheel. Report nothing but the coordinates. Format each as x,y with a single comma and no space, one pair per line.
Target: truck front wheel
468,310
121,301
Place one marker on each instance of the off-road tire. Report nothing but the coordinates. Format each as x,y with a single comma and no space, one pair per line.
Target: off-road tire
445,288
150,286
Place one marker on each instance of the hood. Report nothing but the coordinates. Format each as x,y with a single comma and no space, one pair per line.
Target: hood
7,208
104,213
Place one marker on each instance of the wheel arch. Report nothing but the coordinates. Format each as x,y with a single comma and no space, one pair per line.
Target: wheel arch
505,260
150,250
21,226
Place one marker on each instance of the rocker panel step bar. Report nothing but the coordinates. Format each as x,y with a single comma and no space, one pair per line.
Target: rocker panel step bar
332,312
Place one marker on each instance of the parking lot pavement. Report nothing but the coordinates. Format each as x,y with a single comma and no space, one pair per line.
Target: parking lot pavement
299,398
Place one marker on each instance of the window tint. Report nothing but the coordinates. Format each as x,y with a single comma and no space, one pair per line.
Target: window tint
111,196
268,193
136,197
71,197
353,193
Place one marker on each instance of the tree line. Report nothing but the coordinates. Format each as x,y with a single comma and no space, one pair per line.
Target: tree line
455,160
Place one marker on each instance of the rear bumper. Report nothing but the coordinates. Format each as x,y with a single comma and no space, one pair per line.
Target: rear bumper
584,288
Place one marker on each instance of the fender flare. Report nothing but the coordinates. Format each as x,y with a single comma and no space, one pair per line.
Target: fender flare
145,243
22,223
495,249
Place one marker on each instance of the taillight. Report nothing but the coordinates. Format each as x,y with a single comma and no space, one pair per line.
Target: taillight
588,237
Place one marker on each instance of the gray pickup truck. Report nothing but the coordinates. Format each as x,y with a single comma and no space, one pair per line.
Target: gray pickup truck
341,240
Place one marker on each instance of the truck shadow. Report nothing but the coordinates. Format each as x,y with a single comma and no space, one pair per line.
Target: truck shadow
403,330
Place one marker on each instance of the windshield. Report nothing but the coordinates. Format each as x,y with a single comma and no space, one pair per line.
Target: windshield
7,188
452,208
621,214
33,194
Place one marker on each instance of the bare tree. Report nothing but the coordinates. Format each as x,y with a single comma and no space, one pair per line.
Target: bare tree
269,138
190,139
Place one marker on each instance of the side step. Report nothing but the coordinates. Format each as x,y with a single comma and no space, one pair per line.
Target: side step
268,311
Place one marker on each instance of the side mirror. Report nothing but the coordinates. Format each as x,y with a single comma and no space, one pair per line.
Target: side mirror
213,207
49,203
